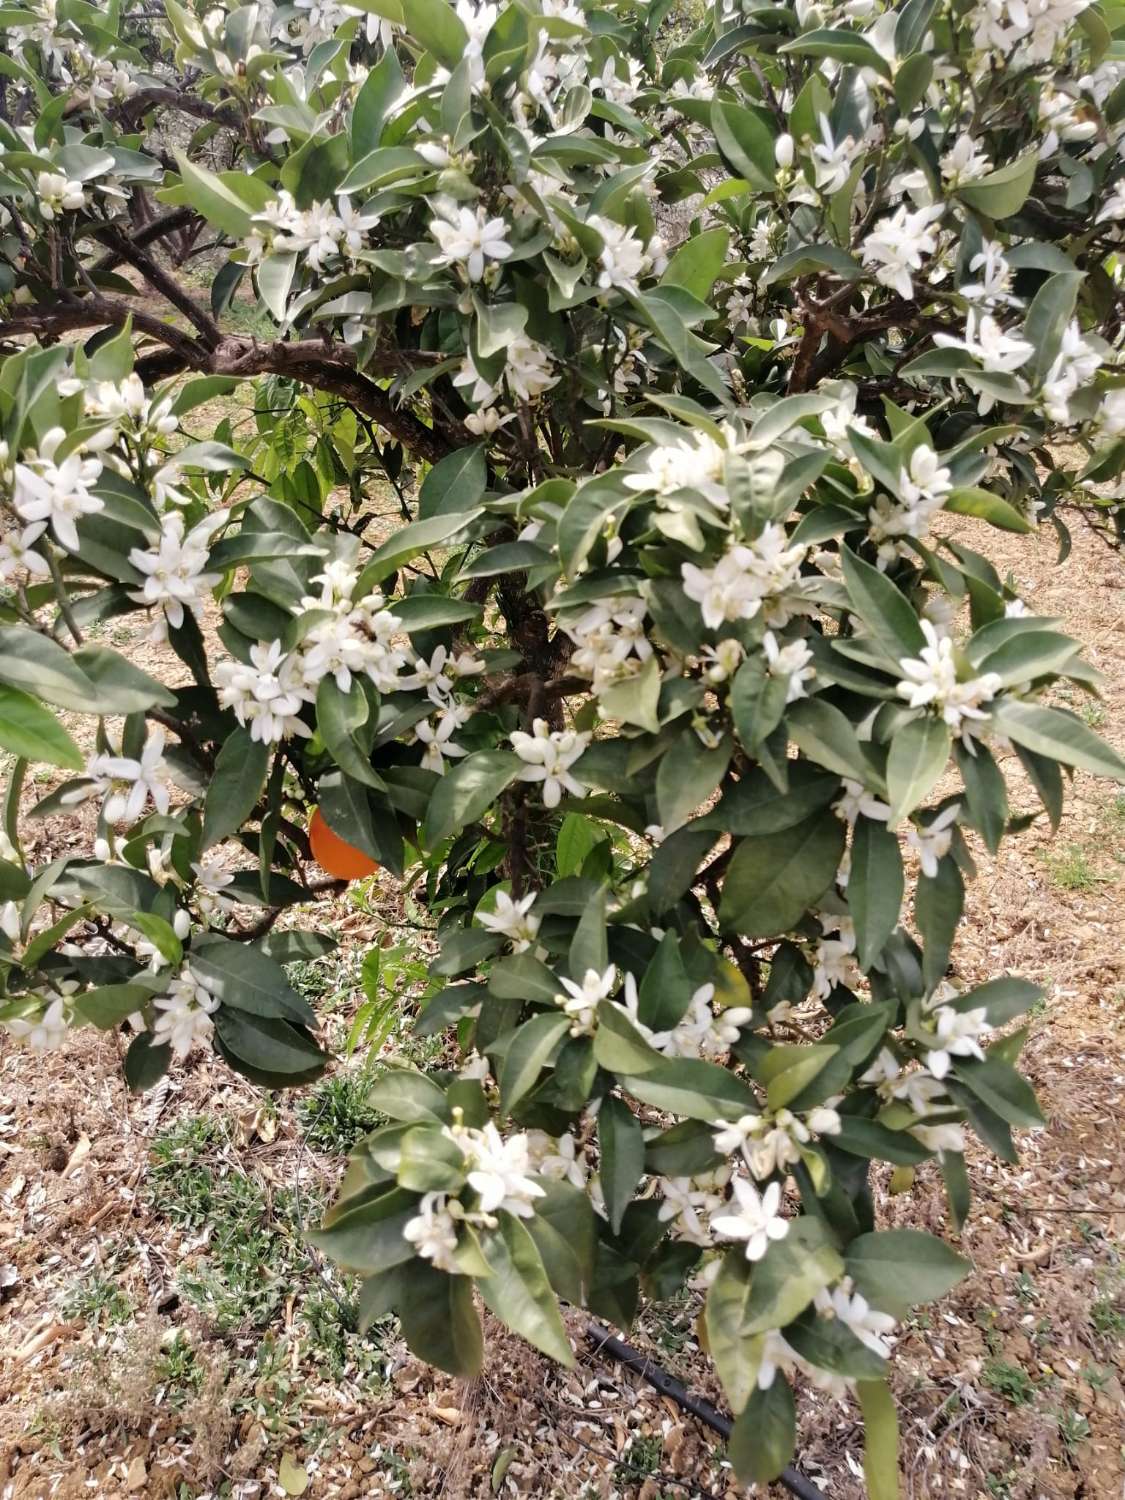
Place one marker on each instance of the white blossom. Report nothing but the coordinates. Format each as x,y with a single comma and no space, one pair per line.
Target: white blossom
548,755
57,493
757,1219
433,1232
931,678
126,782
513,920
793,661
18,555
183,1015
853,1310
469,237
691,463
267,694
956,1034
932,842
58,194
897,246
747,573
45,1032
499,1170
175,569
581,1000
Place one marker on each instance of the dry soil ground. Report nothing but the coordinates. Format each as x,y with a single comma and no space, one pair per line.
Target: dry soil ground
165,1330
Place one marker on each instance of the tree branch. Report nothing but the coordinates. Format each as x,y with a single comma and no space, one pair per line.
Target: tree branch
160,280
326,367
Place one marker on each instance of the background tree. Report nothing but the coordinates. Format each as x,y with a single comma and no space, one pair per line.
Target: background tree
614,375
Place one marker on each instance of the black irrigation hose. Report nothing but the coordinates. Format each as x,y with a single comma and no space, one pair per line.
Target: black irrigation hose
668,1385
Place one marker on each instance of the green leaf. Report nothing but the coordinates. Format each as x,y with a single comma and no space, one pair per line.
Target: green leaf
827,736
235,786
1005,1092
876,1142
687,775
762,1439
368,1238
39,666
880,1426
757,702
875,887
519,1293
634,699
210,196
884,609
844,46
1058,736
970,501
788,1070
405,1094
830,1344
918,757
697,263
438,1317
622,1151
440,30
467,791
938,903
745,141
109,1005
736,1354
897,1269
772,881
693,1088
146,1063
788,1277
528,1051
564,1229
28,730
406,542
455,484
241,975
618,1046
381,88
272,1052
339,716
429,1162
347,809
1003,192
667,988
118,686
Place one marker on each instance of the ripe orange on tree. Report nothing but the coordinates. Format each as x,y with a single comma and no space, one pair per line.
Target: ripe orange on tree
335,855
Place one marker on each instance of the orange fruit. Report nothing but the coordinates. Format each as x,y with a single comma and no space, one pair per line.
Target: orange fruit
335,855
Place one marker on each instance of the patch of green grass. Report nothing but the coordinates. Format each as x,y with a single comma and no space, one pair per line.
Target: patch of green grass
99,1301
396,1471
1093,713
1117,808
1107,1317
1025,1289
179,1371
1096,1378
1008,1380
335,1115
1074,1429
255,1249
640,1458
1070,870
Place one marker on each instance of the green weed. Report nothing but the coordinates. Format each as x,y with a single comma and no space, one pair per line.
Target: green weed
1008,1380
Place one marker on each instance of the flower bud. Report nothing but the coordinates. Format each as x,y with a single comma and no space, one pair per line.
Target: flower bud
783,150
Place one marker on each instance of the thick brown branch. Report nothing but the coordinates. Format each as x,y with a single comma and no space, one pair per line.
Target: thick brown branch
326,367
138,104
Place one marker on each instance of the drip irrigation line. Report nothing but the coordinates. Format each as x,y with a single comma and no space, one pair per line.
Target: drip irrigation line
668,1385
